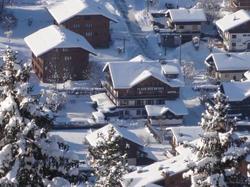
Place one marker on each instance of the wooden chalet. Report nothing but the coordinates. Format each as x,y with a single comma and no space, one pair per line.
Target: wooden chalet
234,29
228,66
240,4
170,113
59,54
163,173
85,17
184,24
132,85
129,143
238,94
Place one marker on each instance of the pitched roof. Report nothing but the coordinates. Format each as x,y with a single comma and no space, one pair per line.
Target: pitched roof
52,37
156,172
185,133
236,91
93,138
125,75
177,107
230,61
187,15
64,10
233,20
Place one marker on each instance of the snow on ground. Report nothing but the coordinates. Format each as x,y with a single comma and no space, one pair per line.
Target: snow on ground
77,109
127,29
40,18
75,139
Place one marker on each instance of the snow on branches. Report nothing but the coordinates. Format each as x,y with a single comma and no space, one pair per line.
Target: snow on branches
219,152
108,160
28,155
53,100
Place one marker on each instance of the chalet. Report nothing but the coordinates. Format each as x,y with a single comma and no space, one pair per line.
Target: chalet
130,143
164,173
238,94
85,17
59,54
228,66
185,23
169,172
234,29
182,134
170,113
132,85
240,4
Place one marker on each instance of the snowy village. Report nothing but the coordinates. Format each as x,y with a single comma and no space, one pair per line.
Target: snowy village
125,93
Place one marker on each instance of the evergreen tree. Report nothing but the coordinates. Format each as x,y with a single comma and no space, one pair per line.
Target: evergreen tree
108,161
28,155
220,151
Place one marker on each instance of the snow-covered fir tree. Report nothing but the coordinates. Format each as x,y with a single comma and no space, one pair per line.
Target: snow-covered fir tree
211,8
53,99
28,155
108,160
219,152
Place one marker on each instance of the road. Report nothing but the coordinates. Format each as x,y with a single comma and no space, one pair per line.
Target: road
137,34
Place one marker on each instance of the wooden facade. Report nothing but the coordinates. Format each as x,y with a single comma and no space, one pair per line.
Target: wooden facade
95,28
240,4
177,180
135,155
168,118
187,30
148,92
61,64
241,109
237,39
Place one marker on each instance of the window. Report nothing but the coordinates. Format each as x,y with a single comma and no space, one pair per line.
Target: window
67,58
76,26
65,49
54,58
160,102
126,112
138,102
89,34
181,27
88,25
195,27
149,102
233,36
233,44
124,102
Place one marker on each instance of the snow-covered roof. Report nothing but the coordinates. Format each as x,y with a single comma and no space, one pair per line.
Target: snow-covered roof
103,102
64,10
156,172
185,133
93,137
139,58
233,20
187,15
247,75
125,75
155,150
231,61
177,107
236,91
52,37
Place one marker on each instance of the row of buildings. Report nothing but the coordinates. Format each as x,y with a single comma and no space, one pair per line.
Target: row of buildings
61,51
142,88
